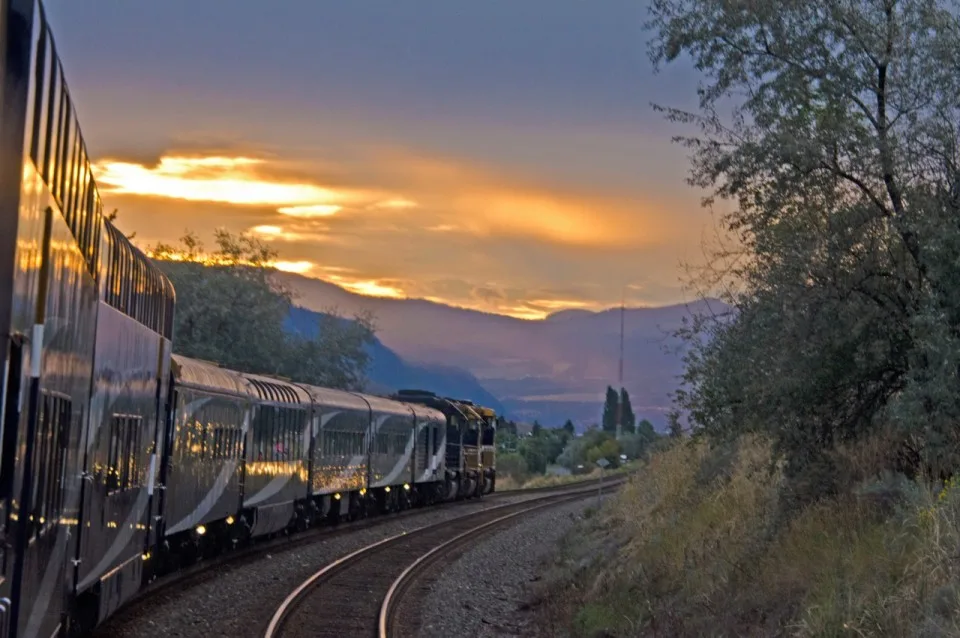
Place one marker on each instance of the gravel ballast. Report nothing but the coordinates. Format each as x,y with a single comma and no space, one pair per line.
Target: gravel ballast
238,600
480,594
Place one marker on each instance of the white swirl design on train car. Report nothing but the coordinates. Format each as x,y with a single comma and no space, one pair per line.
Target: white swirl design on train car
401,464
220,485
126,533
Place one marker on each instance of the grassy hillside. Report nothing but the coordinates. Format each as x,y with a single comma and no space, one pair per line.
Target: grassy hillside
700,543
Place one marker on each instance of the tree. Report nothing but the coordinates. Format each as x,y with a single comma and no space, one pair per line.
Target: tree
840,154
628,418
537,429
506,426
570,428
230,310
674,426
112,217
609,418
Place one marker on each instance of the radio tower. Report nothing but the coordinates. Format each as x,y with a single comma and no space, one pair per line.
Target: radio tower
620,378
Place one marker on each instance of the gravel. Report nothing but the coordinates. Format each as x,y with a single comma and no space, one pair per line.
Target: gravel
239,600
482,593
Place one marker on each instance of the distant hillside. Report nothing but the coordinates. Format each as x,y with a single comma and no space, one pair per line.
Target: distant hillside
549,370
388,372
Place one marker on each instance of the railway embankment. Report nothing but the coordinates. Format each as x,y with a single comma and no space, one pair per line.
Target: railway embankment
703,541
483,594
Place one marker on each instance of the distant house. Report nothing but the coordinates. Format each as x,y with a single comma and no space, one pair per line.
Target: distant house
524,429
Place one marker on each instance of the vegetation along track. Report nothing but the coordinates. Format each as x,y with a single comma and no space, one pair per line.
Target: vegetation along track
358,594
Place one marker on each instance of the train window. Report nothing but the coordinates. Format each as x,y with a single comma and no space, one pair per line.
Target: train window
115,260
297,418
125,277
95,225
138,312
130,451
49,459
118,274
134,287
89,237
110,264
40,86
80,198
127,281
70,190
56,165
117,271
52,102
112,479
80,203
123,453
66,157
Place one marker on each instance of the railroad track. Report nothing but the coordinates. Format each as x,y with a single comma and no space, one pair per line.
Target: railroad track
360,594
209,568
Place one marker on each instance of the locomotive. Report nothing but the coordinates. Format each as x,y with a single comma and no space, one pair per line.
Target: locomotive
121,461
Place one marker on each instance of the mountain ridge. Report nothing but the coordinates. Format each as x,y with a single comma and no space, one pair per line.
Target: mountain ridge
387,372
548,369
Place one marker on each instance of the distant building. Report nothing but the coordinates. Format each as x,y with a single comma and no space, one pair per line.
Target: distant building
524,429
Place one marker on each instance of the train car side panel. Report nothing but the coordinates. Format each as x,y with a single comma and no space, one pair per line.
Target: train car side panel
339,462
52,310
277,454
392,445
119,443
205,461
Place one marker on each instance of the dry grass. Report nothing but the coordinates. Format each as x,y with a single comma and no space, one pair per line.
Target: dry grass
695,545
509,483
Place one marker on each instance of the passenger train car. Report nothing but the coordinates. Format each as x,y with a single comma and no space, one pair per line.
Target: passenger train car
120,461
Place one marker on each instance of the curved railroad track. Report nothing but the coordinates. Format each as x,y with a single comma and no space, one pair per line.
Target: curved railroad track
360,594
209,568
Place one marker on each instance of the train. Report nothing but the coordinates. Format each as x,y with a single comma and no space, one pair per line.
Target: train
121,461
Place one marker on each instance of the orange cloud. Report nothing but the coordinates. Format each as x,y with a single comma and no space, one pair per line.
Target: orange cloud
229,180
485,203
369,287
406,223
313,210
299,267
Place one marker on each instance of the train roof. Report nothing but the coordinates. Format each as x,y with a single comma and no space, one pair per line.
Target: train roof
329,397
449,407
426,412
385,405
209,376
277,390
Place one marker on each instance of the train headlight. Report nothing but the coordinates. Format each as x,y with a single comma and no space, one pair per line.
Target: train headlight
230,520
363,491
336,497
387,489
201,530
406,486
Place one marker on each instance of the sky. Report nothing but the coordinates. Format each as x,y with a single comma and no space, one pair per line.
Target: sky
500,155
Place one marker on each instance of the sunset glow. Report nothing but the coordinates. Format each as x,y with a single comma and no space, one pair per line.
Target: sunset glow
433,239
313,210
299,267
227,180
370,288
